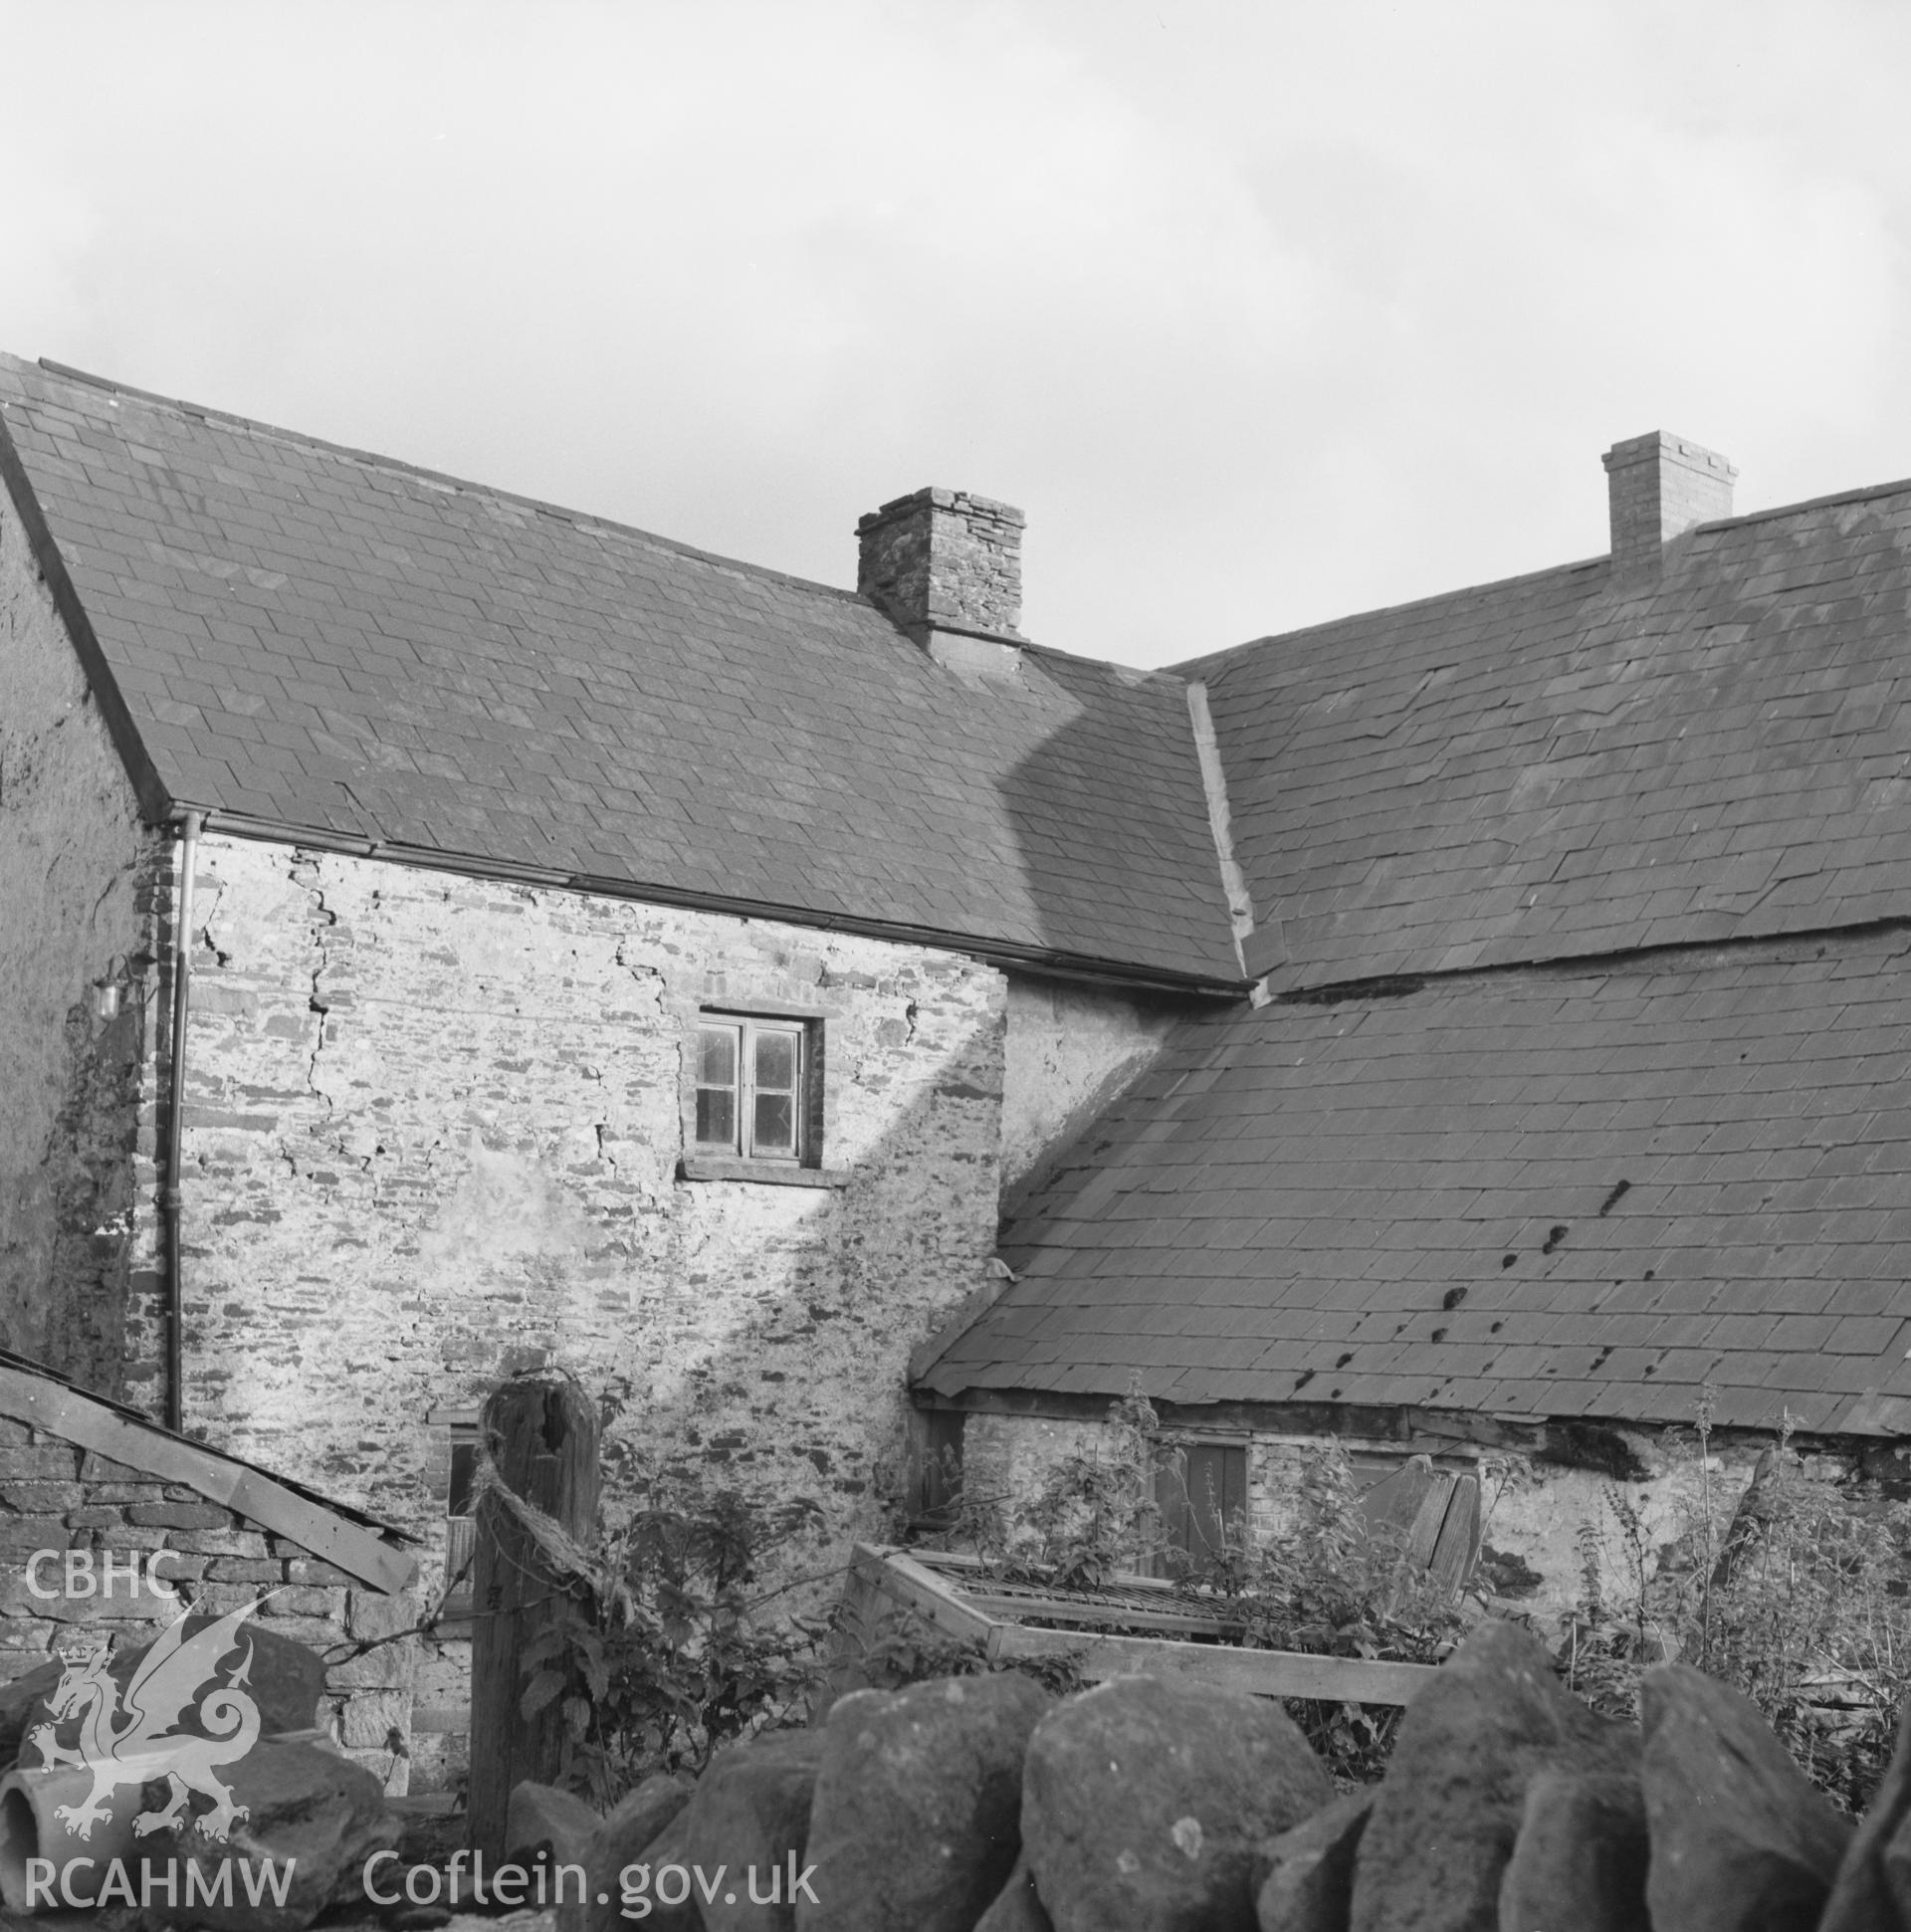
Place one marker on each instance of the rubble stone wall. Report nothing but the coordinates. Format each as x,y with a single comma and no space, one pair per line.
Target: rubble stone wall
77,881
55,1496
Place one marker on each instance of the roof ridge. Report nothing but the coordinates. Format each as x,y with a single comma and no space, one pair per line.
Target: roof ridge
1194,667
586,519
205,412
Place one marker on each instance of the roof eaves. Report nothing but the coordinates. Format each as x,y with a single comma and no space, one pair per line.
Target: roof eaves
1401,1420
1105,971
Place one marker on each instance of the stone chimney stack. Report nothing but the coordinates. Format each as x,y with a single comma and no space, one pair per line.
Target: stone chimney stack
946,567
1660,486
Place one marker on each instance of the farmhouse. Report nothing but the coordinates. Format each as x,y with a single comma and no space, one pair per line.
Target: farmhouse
445,932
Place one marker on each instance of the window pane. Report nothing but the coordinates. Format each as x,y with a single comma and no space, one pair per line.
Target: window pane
776,1123
460,1552
464,1462
777,1061
716,1116
717,1065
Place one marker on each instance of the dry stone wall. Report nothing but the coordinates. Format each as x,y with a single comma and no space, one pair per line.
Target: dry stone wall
1154,1801
112,1520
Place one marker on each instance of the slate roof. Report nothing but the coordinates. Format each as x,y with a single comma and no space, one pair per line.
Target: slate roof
330,642
1553,1192
1571,763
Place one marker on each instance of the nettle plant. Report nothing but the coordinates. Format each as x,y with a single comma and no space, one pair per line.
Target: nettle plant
1795,1594
1333,1583
1337,1584
663,1647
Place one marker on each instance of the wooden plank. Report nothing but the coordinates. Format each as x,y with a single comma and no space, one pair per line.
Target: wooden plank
1424,1536
76,1418
1266,1673
916,1589
963,1562
1458,1547
853,1627
1015,1610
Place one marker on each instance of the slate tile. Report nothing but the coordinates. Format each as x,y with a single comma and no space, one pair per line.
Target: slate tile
1868,1334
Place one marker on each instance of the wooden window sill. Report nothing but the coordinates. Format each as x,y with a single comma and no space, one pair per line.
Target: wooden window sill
775,1174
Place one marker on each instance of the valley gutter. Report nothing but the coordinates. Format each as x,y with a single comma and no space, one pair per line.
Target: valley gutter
170,1201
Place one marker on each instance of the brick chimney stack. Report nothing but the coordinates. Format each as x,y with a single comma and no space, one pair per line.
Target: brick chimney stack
1660,486
946,567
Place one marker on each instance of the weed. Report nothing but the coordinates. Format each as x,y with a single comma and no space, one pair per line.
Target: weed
1096,1513
658,1650
1335,1583
1332,1581
1797,1600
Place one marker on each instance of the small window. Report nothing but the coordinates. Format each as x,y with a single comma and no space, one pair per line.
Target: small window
460,1527
1202,1493
752,1078
940,1491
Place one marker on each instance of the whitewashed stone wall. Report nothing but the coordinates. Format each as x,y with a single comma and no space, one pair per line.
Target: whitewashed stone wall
1071,1050
434,1133
1535,1510
1006,1458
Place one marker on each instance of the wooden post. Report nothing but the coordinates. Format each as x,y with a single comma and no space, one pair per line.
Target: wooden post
541,1431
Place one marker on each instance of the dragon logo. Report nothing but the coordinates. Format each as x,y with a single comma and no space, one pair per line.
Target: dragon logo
130,1736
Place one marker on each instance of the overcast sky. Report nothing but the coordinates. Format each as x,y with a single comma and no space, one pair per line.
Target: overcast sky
1264,313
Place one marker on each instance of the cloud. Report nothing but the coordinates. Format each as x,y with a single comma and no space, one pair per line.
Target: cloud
1263,312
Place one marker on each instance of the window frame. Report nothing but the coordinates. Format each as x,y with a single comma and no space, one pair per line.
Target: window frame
463,1435
804,1150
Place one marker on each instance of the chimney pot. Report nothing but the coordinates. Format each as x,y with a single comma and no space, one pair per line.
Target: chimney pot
945,561
1660,486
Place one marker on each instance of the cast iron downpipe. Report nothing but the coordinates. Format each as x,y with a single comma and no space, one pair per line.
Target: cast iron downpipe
169,1203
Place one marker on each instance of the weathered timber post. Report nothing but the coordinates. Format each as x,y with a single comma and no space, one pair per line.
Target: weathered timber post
539,1430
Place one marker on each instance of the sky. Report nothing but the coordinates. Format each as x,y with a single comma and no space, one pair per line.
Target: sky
1264,313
